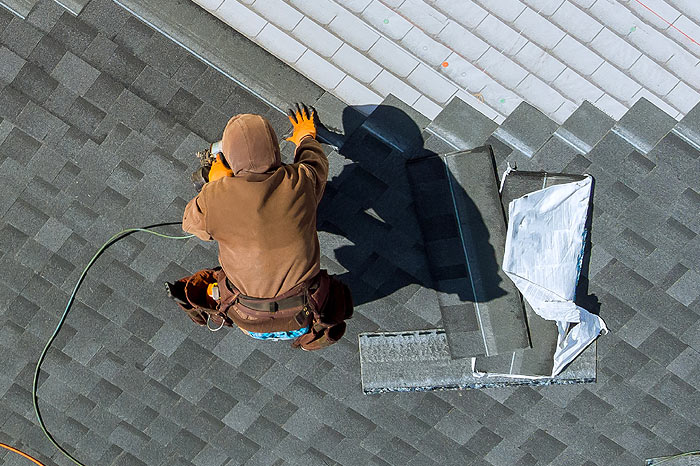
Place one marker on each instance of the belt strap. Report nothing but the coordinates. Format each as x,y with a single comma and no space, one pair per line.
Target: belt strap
272,306
267,305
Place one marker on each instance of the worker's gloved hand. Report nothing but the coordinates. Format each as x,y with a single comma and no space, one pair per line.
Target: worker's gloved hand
303,122
219,169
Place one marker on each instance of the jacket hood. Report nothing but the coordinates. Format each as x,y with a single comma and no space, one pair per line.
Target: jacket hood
249,145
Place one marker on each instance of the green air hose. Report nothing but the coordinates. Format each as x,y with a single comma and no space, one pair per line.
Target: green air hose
121,235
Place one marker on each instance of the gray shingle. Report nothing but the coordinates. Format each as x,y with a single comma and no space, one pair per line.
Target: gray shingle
543,446
133,111
73,33
20,146
587,125
213,87
189,71
256,364
99,51
556,154
183,105
85,116
644,125
153,86
13,100
34,82
20,37
689,126
5,17
449,124
398,121
396,451
12,239
662,347
237,446
47,53
74,73
11,65
163,54
128,438
124,459
123,66
209,122
526,129
42,125
107,17
483,441
60,101
142,324
44,15
133,34
186,444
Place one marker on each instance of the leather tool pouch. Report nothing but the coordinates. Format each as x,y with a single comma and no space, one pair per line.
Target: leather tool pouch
190,293
332,307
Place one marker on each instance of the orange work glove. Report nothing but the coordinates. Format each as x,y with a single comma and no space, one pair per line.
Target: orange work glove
219,169
303,122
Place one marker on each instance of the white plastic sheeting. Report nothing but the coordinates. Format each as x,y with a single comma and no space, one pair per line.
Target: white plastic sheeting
544,250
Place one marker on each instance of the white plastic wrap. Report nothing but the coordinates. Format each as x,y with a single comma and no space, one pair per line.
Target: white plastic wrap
543,255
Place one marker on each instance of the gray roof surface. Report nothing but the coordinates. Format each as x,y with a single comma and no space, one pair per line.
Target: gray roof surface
100,117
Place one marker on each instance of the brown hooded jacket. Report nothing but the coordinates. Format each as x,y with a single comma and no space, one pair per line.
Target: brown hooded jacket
263,217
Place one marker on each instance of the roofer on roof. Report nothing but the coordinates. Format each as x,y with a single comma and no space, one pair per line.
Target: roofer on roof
262,214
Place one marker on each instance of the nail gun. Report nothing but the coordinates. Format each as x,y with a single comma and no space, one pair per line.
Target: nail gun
206,157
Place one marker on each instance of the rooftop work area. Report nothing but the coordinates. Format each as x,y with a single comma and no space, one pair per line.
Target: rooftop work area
103,106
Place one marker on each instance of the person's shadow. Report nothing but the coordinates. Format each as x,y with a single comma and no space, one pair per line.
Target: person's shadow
393,223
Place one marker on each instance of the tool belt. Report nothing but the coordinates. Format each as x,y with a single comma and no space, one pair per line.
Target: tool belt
321,304
287,312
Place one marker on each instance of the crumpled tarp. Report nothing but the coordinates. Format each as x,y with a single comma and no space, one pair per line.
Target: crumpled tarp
543,255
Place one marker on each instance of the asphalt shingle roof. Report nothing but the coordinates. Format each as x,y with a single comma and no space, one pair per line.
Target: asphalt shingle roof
107,141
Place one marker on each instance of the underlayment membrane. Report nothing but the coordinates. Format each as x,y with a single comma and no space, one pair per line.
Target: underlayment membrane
420,361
